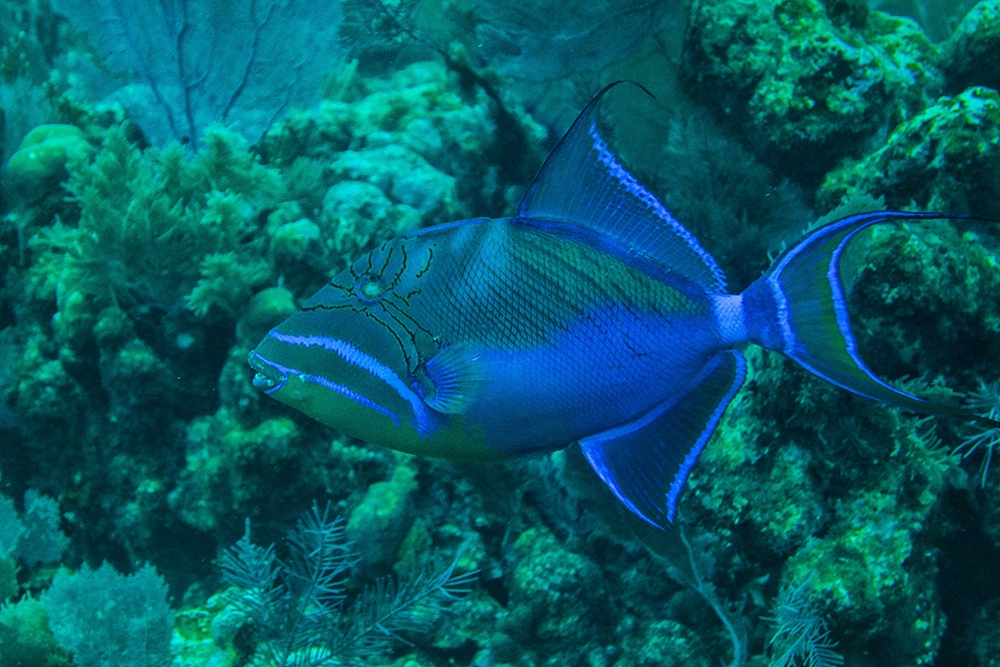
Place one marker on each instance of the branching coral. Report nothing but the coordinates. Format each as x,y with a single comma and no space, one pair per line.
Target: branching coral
729,200
984,401
299,607
800,633
160,226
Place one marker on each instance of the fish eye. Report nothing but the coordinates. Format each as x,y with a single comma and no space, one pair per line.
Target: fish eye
370,288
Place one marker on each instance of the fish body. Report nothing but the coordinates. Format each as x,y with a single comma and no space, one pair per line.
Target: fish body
590,316
527,339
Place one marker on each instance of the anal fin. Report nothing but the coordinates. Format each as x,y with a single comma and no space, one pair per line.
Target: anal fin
645,463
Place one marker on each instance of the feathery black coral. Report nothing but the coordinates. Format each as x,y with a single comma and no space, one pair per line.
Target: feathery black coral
299,608
800,633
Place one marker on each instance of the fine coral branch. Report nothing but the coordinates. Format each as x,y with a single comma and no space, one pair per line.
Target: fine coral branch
299,607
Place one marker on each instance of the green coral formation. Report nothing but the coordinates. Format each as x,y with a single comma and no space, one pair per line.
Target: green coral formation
412,137
41,159
944,159
973,51
160,213
380,522
557,595
933,295
852,526
809,82
25,637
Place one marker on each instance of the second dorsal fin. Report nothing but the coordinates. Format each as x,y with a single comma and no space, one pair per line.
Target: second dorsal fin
583,183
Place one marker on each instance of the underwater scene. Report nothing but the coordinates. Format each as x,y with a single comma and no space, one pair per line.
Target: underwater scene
702,369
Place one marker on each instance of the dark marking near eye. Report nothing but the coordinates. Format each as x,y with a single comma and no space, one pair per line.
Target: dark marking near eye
411,319
385,264
399,341
399,274
402,325
427,264
414,329
326,306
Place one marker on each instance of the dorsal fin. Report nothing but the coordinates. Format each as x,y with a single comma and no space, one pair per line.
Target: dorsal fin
583,183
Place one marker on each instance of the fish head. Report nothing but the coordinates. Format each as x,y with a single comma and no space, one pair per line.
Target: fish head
346,356
352,356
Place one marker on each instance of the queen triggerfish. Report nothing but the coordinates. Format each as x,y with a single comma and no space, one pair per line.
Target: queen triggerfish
590,316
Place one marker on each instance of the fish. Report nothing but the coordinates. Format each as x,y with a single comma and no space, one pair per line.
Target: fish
590,316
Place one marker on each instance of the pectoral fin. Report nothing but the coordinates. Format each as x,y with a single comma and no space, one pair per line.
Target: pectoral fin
646,462
452,376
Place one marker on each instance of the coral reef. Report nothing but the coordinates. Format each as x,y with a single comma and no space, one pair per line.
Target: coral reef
808,83
945,159
40,161
557,595
25,637
96,614
298,608
196,64
971,52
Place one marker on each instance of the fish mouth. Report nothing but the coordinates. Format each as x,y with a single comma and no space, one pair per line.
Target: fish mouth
268,376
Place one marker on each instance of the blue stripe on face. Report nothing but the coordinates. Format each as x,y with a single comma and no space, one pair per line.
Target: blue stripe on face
366,362
285,371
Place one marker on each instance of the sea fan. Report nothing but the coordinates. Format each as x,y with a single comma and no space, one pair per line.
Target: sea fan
191,63
299,608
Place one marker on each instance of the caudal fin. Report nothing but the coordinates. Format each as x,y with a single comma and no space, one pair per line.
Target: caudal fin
798,307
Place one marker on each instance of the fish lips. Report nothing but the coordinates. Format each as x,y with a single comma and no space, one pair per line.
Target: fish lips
268,376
